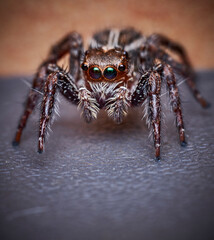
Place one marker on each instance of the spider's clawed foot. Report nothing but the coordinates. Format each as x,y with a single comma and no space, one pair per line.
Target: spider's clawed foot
40,151
16,140
157,153
40,145
183,144
15,143
206,104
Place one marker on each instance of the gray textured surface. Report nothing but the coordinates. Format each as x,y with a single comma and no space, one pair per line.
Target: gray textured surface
100,181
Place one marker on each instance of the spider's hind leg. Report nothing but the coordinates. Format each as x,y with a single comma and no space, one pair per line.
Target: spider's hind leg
190,77
188,74
185,69
161,40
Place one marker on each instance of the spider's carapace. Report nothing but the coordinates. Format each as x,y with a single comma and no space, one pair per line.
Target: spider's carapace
100,65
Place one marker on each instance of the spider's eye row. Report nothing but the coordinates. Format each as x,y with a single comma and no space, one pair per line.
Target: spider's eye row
122,68
110,73
84,67
95,73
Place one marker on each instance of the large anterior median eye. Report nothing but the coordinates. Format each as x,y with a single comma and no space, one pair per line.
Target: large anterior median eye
110,73
95,73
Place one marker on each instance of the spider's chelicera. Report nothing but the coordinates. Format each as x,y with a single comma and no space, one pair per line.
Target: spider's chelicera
121,69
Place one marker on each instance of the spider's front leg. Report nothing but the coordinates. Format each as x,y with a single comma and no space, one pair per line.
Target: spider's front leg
149,86
62,80
47,107
57,78
154,90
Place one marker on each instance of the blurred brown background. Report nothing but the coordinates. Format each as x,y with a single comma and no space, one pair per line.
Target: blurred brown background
30,27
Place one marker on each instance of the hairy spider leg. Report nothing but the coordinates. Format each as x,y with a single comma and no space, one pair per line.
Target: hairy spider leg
149,86
154,91
46,107
68,43
170,79
57,78
175,47
187,71
141,91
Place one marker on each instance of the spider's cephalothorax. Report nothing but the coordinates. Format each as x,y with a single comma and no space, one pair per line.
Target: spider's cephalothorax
105,66
120,69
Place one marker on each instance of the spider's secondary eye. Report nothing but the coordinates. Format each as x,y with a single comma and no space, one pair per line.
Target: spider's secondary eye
95,73
122,68
84,67
126,54
110,73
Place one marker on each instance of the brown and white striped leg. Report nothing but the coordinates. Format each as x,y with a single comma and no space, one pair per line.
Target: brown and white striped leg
169,77
72,43
155,110
57,78
47,108
141,91
191,84
190,80
161,40
32,99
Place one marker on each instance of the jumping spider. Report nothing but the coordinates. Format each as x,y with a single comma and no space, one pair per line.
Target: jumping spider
121,69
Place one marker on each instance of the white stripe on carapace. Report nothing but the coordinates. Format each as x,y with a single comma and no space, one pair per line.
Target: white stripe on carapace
113,39
136,44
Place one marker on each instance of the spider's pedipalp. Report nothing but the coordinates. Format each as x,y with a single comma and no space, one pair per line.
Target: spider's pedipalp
88,104
117,106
